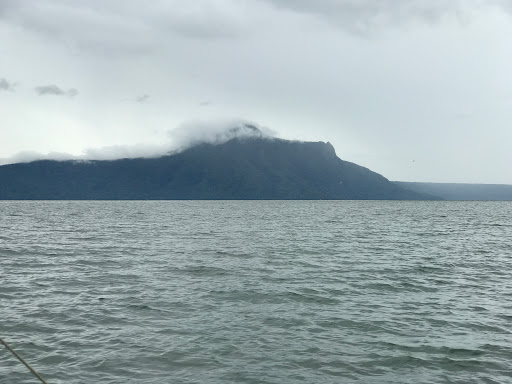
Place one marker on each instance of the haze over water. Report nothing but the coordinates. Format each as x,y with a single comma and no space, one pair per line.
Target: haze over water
256,291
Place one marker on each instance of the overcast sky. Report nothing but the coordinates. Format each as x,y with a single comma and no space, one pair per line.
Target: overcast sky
417,90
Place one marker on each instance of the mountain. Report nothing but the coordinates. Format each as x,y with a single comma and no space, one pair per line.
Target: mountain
243,167
461,191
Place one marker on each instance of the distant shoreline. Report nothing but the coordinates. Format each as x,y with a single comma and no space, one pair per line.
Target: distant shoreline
461,191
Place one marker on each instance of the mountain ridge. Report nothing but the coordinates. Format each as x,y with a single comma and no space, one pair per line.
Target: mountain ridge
245,168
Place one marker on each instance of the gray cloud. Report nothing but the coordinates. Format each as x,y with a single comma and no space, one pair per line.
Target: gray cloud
72,92
111,27
6,6
49,90
366,16
6,86
55,90
207,19
142,99
504,4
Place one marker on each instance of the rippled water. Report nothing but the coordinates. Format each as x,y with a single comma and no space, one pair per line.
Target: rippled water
257,292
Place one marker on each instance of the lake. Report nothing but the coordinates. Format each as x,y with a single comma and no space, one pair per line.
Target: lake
256,291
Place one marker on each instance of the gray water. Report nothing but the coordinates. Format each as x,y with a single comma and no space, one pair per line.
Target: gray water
257,292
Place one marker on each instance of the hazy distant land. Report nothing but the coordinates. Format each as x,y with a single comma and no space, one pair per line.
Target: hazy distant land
461,191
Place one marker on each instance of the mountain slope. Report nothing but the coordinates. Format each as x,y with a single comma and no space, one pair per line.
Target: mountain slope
241,168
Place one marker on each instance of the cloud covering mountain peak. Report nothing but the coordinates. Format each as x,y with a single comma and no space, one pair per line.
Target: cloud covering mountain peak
186,135
198,132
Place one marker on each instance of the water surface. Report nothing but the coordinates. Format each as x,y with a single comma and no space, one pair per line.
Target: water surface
257,291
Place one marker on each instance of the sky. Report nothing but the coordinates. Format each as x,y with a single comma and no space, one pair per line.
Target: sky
417,90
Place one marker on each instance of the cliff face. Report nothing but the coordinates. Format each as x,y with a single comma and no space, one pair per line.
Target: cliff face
241,168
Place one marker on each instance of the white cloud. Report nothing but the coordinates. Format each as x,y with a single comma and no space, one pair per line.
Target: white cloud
184,136
216,132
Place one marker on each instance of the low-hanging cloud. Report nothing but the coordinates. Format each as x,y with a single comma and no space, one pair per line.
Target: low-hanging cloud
103,153
52,89
6,85
184,136
216,132
29,156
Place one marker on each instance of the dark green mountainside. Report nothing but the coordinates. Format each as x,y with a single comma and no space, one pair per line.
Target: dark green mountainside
241,168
